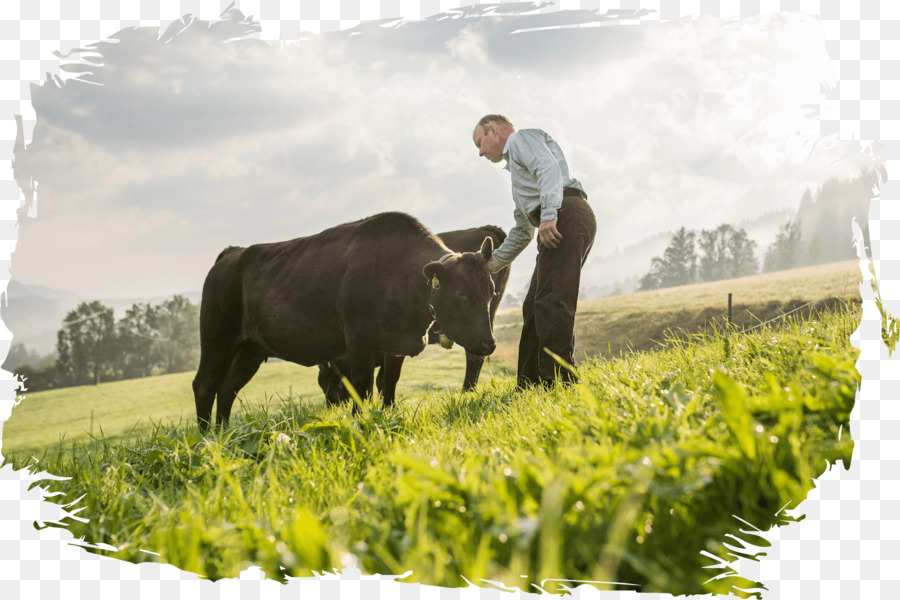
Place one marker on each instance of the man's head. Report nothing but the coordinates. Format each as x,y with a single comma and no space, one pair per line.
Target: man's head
490,136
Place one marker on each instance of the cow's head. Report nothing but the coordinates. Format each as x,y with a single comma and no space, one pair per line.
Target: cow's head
461,293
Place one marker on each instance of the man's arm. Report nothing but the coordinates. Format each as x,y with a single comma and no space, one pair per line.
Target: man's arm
532,152
519,237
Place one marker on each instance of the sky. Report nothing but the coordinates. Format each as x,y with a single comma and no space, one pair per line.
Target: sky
172,144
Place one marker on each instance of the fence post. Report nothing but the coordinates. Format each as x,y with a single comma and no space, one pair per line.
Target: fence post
729,310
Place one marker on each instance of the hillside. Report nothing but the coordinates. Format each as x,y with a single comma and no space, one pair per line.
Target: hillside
647,473
604,327
33,314
639,321
619,272
118,408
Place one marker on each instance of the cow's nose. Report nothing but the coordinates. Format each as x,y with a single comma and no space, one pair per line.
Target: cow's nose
487,348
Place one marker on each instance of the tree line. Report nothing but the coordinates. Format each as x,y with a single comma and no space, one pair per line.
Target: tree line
92,347
723,253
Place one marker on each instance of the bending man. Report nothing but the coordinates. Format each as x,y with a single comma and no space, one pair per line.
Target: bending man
548,199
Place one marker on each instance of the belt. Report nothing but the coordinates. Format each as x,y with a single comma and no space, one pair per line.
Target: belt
569,192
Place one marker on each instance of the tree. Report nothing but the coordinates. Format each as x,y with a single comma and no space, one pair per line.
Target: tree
727,253
827,214
743,258
677,266
713,246
20,356
177,322
86,344
137,338
785,251
814,251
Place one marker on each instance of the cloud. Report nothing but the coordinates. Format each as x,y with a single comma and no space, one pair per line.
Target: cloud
469,45
203,142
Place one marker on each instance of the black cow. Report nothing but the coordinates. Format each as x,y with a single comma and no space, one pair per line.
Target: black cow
371,286
463,240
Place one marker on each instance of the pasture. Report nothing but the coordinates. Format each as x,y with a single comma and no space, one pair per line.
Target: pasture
642,321
134,407
652,451
606,327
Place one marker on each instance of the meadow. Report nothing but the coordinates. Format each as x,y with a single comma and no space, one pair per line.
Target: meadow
646,473
641,321
606,327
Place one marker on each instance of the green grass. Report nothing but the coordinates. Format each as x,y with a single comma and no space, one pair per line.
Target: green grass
616,325
835,279
652,452
116,409
605,327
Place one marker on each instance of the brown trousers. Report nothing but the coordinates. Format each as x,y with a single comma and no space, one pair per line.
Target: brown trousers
548,311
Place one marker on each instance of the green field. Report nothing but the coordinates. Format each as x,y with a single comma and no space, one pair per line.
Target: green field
119,408
610,326
605,327
652,451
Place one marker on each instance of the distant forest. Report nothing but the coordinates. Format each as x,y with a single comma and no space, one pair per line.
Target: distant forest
92,347
808,239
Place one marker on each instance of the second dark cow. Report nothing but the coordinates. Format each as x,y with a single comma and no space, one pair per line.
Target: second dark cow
369,287
389,367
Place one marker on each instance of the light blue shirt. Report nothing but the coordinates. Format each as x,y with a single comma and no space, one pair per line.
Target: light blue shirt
538,172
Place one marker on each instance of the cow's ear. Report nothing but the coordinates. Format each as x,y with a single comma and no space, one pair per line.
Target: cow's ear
487,248
433,271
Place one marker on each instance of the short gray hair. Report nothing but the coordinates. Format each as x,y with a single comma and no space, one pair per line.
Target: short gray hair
492,119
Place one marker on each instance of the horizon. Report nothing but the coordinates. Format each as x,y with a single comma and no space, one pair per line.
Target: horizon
614,253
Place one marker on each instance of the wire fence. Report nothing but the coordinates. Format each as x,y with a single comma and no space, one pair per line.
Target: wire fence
830,294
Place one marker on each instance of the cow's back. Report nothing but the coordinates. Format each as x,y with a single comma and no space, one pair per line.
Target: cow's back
469,240
299,296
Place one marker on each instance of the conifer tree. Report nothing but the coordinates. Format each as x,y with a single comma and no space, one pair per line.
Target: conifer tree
677,266
785,252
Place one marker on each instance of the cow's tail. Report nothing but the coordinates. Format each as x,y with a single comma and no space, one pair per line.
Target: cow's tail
227,251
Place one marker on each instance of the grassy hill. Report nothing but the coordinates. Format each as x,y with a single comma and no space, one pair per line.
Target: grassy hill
604,327
650,460
119,408
640,321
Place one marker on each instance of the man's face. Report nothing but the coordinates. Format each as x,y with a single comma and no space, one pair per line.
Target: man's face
489,143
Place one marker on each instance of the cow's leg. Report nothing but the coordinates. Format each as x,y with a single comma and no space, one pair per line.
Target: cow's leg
473,370
379,378
390,374
360,358
210,373
330,381
378,359
243,368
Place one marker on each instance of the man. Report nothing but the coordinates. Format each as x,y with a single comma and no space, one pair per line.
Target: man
546,197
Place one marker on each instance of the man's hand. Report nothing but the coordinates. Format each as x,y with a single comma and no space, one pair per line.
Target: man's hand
548,235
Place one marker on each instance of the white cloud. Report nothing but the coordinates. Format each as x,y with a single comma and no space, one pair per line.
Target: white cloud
205,144
469,45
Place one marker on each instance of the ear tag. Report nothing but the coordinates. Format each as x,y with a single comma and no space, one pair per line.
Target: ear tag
435,284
